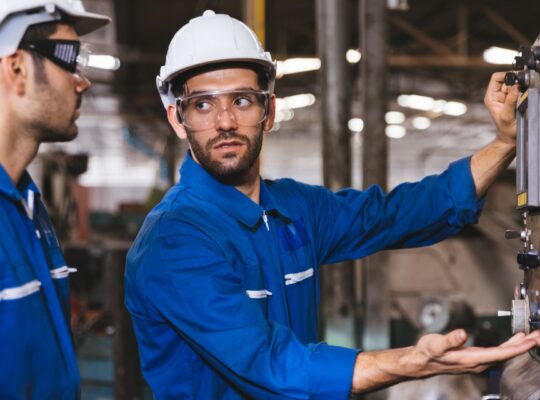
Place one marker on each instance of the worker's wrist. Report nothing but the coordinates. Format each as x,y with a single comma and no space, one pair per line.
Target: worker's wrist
505,141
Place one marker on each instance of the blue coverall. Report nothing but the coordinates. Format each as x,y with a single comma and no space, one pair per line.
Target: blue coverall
223,292
37,359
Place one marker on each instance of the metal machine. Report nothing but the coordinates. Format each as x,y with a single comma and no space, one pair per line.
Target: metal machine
520,379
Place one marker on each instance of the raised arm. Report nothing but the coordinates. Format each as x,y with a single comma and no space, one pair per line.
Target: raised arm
494,158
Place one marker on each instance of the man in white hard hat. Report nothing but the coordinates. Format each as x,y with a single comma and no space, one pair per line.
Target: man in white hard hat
41,85
222,280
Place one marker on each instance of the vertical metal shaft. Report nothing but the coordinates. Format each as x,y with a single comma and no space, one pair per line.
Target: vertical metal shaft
374,33
255,17
338,280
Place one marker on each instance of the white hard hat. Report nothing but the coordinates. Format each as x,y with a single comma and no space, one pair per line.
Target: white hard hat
211,39
17,15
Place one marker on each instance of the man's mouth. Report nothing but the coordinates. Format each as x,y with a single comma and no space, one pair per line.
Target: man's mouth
228,144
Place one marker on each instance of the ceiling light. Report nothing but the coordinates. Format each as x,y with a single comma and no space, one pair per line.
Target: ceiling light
394,117
454,108
355,125
296,101
296,65
353,56
395,131
415,101
498,55
284,115
421,123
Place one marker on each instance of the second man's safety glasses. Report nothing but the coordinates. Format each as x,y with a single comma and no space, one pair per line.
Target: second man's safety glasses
66,54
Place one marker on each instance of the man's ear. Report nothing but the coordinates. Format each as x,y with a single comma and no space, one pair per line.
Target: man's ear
174,120
269,122
14,70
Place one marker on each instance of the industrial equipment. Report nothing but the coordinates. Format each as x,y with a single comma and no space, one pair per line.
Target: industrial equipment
520,376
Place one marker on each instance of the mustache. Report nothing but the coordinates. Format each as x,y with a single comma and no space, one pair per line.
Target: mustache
227,135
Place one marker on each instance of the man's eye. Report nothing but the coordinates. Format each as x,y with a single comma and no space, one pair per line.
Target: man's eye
244,101
203,105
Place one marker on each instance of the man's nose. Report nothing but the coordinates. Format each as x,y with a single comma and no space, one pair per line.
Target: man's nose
82,84
226,120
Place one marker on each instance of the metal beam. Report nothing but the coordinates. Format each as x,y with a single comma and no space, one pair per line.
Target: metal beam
422,37
376,289
506,26
338,280
255,17
448,61
462,39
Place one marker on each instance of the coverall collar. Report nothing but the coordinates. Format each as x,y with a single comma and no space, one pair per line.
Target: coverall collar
8,188
228,198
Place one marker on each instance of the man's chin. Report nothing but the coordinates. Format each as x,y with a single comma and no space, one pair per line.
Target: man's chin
60,136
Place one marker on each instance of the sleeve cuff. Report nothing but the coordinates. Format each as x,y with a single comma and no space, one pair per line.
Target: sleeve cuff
331,372
463,192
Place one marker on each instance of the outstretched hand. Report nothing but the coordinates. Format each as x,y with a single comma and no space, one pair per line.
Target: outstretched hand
501,101
434,354
446,354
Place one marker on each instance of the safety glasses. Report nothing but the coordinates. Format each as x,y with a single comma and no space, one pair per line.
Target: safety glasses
202,111
67,54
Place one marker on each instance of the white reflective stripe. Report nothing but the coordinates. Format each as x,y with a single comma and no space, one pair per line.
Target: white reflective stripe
62,272
20,291
298,277
258,294
30,201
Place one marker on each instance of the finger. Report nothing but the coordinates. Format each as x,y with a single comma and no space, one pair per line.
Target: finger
496,82
512,96
481,356
450,341
514,339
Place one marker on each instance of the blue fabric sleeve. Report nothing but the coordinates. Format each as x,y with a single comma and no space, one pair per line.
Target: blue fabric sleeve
352,224
198,293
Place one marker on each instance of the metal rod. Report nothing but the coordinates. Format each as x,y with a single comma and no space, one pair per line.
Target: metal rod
374,34
337,281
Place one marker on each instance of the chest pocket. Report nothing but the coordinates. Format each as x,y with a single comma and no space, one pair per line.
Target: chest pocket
296,249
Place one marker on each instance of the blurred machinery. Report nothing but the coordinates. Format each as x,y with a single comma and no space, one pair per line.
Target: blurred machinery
520,376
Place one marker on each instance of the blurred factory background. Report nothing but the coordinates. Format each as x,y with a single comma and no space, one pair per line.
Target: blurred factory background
353,110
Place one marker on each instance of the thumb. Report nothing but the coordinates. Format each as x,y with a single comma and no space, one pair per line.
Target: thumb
455,339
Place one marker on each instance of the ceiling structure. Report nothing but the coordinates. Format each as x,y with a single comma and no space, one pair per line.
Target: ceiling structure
436,50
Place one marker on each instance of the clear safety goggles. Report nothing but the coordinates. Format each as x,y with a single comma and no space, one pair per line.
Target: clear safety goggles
204,110
69,55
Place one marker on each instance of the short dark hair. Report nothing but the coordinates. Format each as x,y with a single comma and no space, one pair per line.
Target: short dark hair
40,32
178,84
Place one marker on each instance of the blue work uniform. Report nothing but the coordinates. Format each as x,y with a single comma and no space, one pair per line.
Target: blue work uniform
223,291
37,359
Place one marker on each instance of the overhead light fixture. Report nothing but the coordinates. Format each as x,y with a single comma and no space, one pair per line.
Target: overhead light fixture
415,101
454,108
499,55
425,103
356,124
353,56
421,123
103,61
284,115
394,117
286,105
296,65
401,5
395,131
296,101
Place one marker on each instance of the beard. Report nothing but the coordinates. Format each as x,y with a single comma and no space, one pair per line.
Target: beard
52,116
231,169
